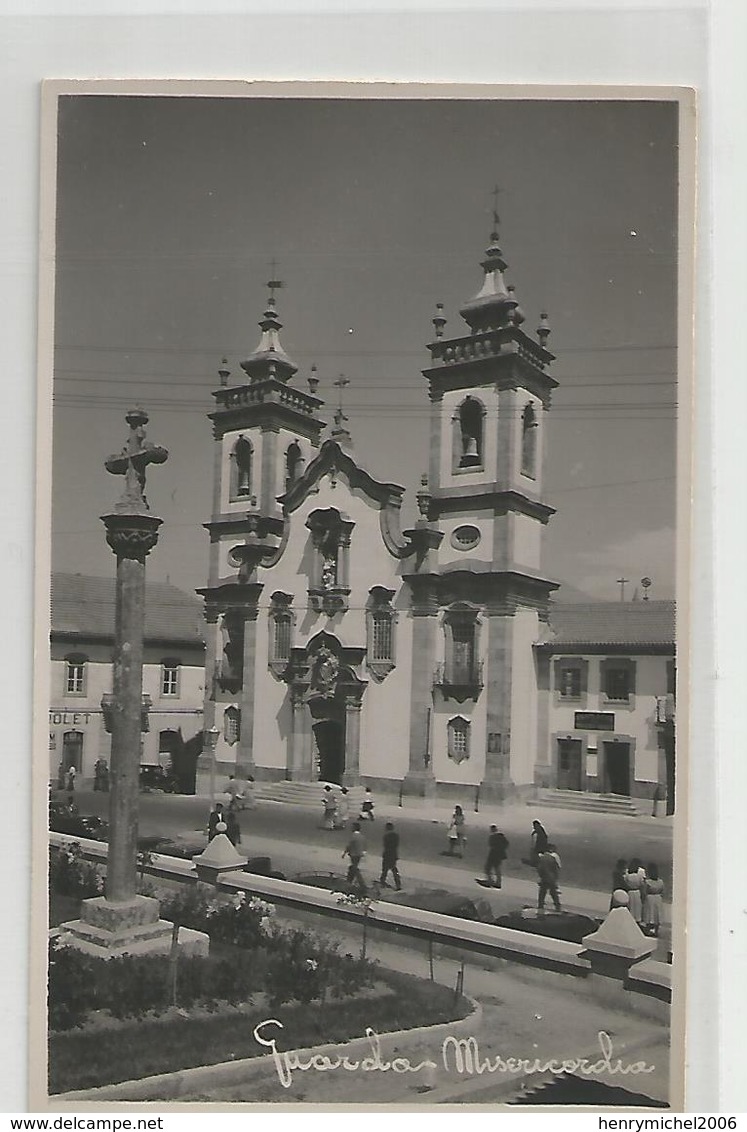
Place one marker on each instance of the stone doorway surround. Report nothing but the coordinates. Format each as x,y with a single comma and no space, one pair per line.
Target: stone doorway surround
325,683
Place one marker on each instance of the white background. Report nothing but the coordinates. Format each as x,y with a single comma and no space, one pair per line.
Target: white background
686,44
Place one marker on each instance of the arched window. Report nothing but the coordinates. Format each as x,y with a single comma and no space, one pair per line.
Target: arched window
241,468
468,436
293,464
529,426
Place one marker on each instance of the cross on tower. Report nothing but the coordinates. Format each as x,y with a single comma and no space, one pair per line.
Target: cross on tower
132,461
274,284
495,193
622,582
340,382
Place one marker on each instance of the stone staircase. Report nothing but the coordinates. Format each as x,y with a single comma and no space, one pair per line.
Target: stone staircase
589,803
308,794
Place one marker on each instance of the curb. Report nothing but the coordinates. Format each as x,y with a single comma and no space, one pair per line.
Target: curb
171,1086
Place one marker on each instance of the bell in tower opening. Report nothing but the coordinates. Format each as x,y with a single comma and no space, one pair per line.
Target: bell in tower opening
470,425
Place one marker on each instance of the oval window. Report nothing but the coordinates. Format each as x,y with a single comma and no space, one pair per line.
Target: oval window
464,538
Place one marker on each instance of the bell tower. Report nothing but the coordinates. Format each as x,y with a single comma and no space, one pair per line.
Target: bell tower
490,398
266,431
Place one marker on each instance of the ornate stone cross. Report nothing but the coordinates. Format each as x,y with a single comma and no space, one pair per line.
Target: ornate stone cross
132,461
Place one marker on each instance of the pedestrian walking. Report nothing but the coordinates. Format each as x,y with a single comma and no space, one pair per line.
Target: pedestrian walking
618,880
61,776
235,792
457,833
71,808
367,809
652,904
539,842
233,829
216,816
390,855
329,802
71,773
497,853
355,850
343,809
249,793
548,876
635,885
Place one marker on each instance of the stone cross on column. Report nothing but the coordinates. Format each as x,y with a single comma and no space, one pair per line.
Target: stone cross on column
132,461
132,532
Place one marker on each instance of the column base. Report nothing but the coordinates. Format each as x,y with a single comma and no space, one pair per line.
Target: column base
419,784
494,792
108,930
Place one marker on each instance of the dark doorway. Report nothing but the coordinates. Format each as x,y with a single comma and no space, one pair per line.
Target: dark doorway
569,764
617,768
330,741
72,750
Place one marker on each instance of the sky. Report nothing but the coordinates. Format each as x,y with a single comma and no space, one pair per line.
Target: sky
171,211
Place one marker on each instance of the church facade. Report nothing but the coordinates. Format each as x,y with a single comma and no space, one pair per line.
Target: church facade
341,647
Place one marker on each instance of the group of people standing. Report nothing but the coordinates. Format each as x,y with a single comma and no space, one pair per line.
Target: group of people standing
640,890
336,807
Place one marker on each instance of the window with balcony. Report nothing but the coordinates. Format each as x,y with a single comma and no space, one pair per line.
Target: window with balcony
75,675
460,675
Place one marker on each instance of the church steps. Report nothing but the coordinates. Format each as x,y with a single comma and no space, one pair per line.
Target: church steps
586,801
303,793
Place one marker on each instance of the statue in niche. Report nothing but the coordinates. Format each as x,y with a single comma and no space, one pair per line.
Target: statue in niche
324,672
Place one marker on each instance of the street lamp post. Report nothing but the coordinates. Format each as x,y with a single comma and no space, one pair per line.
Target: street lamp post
211,742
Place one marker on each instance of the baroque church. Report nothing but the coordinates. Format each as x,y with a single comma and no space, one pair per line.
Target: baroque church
343,648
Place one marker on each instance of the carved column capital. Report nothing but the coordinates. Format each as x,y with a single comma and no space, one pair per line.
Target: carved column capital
131,536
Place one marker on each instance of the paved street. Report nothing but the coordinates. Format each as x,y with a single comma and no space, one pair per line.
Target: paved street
588,843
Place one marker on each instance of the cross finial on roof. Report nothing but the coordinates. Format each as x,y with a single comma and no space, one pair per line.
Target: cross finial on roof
495,194
274,284
622,583
341,382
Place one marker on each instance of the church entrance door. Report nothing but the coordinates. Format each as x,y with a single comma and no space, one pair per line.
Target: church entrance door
330,741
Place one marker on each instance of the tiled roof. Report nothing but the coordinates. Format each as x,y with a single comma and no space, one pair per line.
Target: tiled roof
642,623
84,605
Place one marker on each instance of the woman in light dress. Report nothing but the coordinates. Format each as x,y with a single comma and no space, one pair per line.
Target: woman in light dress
329,802
457,832
653,902
635,885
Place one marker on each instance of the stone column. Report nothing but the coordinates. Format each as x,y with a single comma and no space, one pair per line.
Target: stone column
205,759
420,779
496,783
245,756
131,538
351,774
295,769
122,921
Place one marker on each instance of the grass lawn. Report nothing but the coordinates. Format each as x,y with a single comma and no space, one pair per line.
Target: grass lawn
80,1059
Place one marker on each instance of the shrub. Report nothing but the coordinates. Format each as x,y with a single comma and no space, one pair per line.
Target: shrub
242,922
71,875
189,906
71,990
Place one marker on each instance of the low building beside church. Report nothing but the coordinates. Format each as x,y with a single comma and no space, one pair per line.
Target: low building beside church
82,648
606,678
341,647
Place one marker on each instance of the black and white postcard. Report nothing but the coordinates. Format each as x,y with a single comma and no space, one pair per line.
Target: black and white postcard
362,654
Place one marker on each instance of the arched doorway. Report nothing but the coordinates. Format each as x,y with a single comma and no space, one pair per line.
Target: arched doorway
330,742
